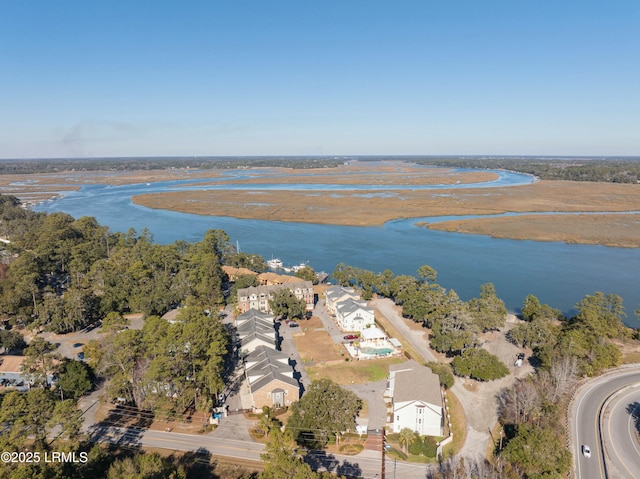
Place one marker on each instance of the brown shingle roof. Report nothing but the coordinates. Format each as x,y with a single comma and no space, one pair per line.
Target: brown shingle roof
11,364
416,383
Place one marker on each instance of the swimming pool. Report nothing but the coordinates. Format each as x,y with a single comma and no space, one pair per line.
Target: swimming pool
376,351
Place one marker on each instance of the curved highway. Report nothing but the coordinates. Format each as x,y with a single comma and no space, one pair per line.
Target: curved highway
599,409
619,433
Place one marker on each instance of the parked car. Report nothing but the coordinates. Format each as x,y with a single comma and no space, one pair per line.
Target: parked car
293,324
586,451
351,337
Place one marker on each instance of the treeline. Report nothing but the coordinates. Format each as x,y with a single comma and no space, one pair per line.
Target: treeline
611,170
55,165
64,274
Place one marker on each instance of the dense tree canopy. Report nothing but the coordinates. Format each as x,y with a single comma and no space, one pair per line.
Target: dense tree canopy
488,311
74,379
11,341
307,274
456,330
250,261
538,453
479,364
282,461
35,414
166,365
286,305
71,273
326,409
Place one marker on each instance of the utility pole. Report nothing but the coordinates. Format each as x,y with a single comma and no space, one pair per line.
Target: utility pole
384,447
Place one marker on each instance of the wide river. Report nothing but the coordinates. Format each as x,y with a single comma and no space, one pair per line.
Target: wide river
558,274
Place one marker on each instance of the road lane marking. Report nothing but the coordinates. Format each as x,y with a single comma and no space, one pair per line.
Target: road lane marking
598,445
611,438
633,435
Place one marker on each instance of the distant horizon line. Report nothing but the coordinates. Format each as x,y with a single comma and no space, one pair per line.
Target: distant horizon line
333,157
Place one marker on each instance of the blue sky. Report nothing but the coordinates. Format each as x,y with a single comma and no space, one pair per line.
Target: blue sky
138,78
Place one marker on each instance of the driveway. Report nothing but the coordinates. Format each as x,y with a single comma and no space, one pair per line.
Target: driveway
233,426
373,394
288,346
328,322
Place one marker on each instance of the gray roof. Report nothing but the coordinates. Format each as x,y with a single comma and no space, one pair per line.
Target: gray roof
249,327
349,306
406,366
272,373
262,367
262,352
337,291
417,384
254,315
270,340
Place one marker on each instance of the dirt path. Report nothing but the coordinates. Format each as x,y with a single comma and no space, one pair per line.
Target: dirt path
477,399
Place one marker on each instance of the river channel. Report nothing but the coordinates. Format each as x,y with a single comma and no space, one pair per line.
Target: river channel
558,274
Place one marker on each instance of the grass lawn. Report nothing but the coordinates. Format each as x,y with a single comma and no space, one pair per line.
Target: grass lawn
315,345
353,372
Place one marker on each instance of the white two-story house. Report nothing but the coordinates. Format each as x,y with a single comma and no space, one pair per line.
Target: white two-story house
336,294
354,315
416,398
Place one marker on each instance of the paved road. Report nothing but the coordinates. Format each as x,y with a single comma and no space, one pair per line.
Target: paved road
366,464
620,432
70,344
134,437
590,411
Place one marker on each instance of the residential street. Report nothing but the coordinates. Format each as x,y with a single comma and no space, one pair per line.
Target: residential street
367,464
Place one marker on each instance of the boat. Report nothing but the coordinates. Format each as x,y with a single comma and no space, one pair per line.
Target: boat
275,263
298,267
